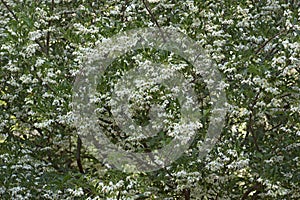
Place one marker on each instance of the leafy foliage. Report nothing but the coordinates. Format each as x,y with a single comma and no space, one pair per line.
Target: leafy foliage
256,46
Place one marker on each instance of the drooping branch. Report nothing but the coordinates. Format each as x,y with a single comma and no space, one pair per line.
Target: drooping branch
269,40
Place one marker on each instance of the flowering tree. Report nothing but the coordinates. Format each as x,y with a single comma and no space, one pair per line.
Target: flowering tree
44,47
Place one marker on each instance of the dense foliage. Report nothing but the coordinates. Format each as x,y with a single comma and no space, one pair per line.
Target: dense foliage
256,46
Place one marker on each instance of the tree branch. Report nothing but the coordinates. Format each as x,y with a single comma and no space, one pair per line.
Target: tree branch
146,3
269,40
250,129
187,194
48,32
123,9
78,158
10,10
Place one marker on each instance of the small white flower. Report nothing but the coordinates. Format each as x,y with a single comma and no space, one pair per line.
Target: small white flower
153,1
35,35
39,62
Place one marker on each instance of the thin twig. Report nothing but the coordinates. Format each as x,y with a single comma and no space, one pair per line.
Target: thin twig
273,128
250,124
48,41
41,46
269,40
47,85
10,10
124,6
38,130
251,130
48,32
146,3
